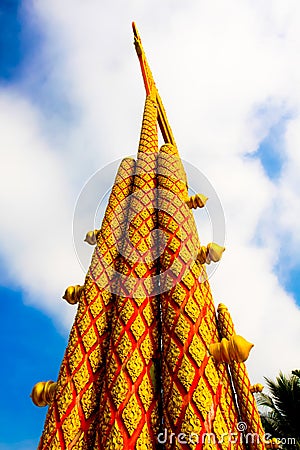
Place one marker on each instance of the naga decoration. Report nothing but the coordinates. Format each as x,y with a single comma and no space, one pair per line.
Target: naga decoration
148,364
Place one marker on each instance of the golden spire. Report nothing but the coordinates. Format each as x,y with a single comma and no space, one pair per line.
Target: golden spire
144,358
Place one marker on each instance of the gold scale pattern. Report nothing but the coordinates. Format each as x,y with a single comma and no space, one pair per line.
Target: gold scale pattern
70,422
247,404
128,416
197,394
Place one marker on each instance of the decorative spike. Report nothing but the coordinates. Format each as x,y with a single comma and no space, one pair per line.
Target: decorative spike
228,350
72,294
91,237
212,252
197,201
256,388
43,393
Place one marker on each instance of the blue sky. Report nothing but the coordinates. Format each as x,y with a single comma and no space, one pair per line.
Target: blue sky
61,99
27,357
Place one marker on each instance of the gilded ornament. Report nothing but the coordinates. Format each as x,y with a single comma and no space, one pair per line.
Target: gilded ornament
256,388
43,393
211,253
197,201
73,293
91,237
236,348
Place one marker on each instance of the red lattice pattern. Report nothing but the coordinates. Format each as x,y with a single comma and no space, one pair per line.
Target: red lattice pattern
245,397
71,416
197,396
128,415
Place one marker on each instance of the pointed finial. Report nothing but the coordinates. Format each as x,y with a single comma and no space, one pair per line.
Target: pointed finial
72,294
91,237
150,88
228,350
222,307
43,393
212,252
197,201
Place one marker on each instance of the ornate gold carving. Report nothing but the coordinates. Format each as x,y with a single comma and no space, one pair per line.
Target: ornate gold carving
132,414
91,237
186,373
73,293
212,375
197,201
138,327
192,309
211,253
148,314
124,347
43,393
135,365
179,294
146,392
144,440
71,427
228,350
175,403
191,426
81,377
115,439
182,329
65,398
147,349
221,429
88,401
203,398
197,350
89,339
119,390
172,354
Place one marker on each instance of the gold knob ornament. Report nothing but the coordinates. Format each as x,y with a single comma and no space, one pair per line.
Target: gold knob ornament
91,237
43,393
72,294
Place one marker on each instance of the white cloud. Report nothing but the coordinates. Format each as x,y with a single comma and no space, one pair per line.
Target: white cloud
36,205
227,72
